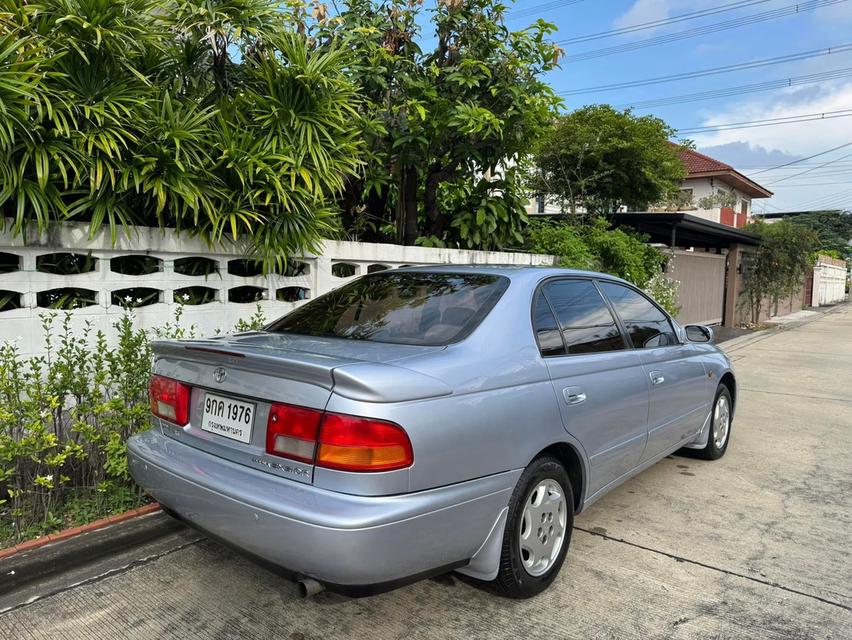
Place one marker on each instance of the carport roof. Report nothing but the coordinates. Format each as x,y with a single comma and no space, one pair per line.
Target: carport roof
684,229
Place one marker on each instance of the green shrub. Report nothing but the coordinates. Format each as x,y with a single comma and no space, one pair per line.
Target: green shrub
596,247
65,417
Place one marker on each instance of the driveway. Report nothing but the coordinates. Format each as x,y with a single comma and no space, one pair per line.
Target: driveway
756,545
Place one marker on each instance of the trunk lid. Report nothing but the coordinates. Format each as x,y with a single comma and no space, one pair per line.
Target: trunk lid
234,376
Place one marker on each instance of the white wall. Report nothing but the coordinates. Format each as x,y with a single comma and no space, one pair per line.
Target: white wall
24,326
704,187
829,282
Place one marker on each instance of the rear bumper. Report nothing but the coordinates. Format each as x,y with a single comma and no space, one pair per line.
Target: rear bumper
337,538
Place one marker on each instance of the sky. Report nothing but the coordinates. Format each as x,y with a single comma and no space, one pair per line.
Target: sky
753,150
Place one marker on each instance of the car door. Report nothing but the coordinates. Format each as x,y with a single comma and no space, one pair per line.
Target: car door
599,382
678,404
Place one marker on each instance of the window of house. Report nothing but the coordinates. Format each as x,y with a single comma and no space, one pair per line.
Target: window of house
646,325
585,321
539,203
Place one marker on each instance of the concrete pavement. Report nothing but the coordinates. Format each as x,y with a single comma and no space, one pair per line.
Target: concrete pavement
756,545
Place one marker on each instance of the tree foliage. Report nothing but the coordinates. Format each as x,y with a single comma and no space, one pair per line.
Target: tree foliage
443,127
599,158
777,268
833,229
596,247
215,117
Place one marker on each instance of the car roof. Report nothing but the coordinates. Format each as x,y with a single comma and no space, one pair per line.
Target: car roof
511,271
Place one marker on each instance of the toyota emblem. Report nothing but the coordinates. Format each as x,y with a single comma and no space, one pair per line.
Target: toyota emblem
220,374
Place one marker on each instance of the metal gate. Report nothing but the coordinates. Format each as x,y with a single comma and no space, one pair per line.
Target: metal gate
702,286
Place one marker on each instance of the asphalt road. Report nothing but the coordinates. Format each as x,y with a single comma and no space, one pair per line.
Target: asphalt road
756,545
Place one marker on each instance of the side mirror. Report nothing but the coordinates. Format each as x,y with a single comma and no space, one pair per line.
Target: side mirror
699,333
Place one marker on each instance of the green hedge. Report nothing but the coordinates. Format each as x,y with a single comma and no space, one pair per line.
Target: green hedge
65,417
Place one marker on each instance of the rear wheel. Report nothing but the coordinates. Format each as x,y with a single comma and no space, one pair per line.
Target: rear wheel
538,529
720,426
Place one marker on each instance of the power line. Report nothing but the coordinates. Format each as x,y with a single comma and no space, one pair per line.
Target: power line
790,10
815,184
772,167
801,173
807,117
792,162
781,83
547,6
793,57
663,21
835,200
829,199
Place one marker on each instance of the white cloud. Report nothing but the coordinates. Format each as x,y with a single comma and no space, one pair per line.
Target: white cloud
819,186
834,14
797,139
643,11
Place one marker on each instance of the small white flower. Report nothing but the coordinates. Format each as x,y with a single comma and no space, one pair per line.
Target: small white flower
49,477
138,300
128,298
185,296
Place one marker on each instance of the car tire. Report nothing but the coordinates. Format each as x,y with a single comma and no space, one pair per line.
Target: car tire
541,516
720,419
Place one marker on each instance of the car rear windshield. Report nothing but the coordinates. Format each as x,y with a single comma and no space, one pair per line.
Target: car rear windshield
417,308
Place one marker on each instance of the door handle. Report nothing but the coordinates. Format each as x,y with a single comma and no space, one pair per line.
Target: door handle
657,377
574,395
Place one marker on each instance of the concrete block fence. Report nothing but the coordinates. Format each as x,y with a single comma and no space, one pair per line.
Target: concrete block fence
829,281
27,287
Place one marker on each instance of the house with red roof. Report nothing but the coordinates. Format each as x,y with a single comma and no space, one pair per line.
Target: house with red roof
712,190
715,191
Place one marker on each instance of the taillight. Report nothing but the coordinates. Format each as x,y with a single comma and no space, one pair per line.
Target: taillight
292,431
336,441
169,399
350,443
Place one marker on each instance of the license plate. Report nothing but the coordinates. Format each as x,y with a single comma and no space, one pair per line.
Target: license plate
228,417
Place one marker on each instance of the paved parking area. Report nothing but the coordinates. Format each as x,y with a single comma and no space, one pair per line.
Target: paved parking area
756,545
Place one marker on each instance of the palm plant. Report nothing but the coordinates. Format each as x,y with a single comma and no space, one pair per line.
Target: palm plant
212,117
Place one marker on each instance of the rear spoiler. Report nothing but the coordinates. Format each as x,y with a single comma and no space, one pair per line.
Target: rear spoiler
307,367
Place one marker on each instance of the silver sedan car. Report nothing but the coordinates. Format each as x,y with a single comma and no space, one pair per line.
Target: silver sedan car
422,420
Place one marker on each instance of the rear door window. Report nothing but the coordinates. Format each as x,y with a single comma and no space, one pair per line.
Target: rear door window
546,330
417,308
647,326
584,319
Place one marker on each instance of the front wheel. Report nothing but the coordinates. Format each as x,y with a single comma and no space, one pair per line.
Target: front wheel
538,529
720,426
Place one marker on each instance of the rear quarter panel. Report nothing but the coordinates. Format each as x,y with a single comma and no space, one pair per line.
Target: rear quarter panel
502,410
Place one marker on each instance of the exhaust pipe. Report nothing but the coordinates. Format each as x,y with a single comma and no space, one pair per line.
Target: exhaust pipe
308,587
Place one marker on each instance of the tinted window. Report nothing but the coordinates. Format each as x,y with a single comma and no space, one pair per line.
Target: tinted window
646,325
546,329
585,320
406,308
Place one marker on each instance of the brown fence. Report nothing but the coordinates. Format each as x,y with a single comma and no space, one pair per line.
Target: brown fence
702,286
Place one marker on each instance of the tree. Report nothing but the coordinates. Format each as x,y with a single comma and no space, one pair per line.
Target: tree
599,158
777,268
833,229
597,247
215,117
446,128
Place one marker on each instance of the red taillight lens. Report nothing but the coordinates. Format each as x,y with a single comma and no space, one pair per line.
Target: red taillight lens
351,443
292,431
169,399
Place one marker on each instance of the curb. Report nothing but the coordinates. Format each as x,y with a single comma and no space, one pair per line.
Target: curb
80,552
743,341
29,545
